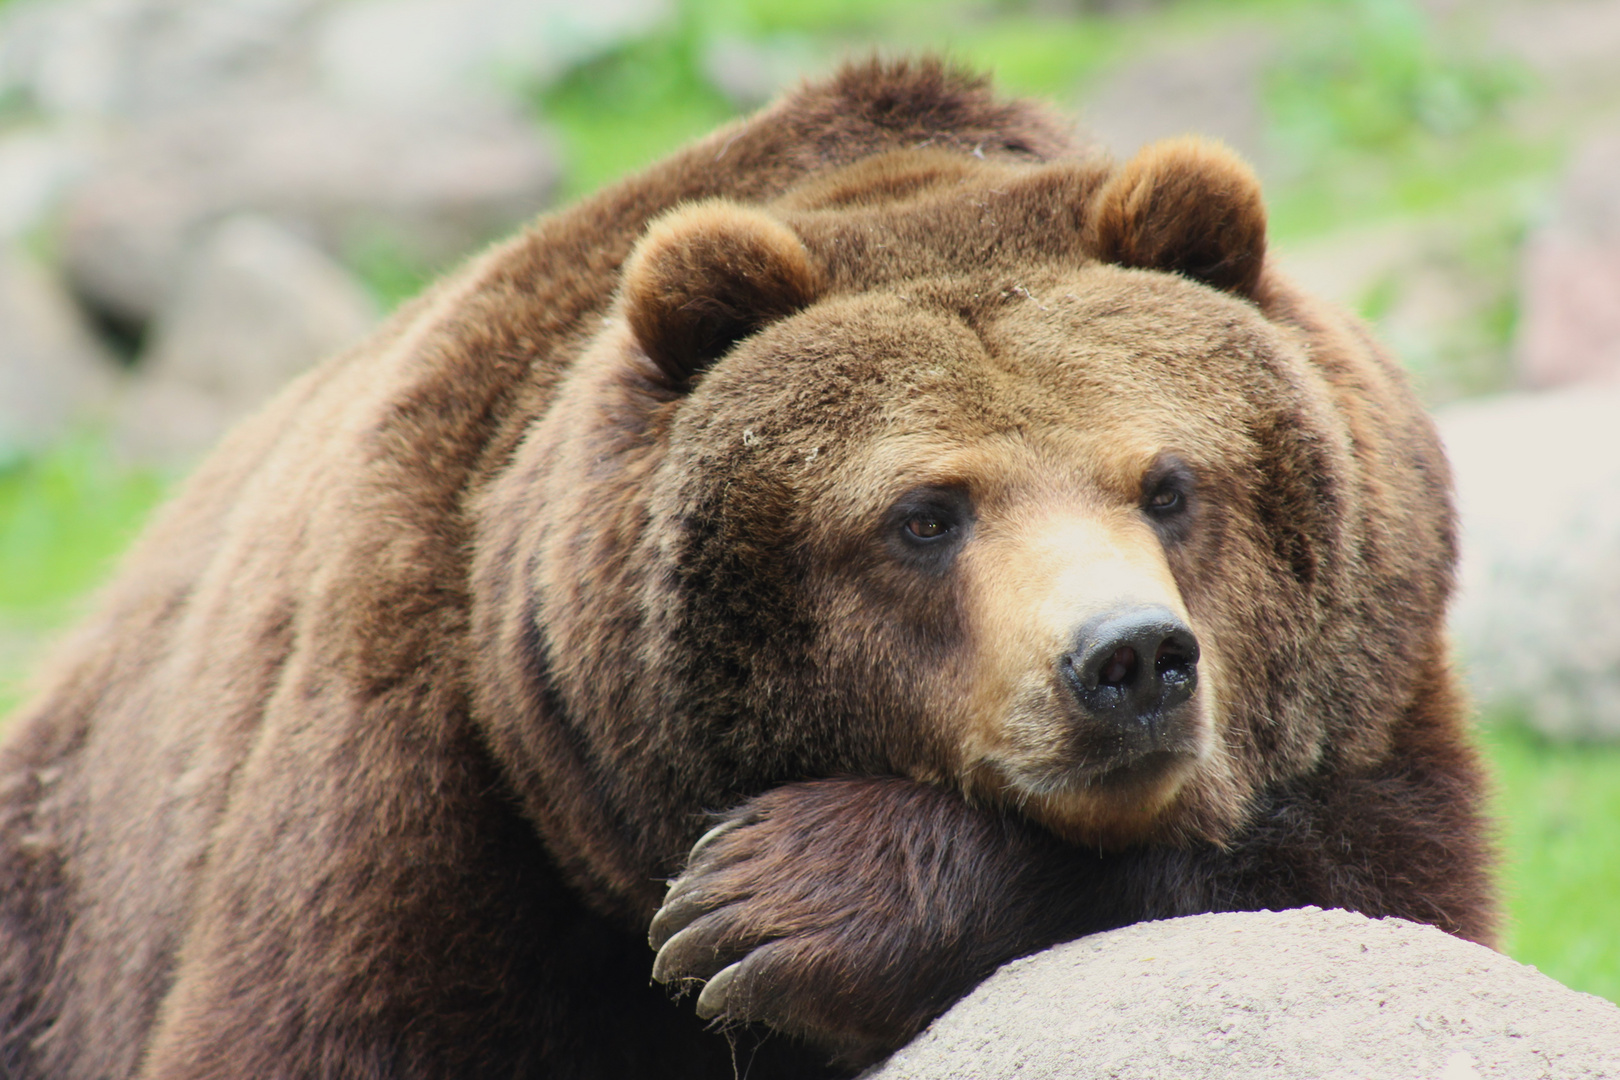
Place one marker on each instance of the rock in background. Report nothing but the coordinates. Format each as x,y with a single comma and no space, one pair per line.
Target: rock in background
136,134
54,374
253,304
431,184
1537,615
1295,994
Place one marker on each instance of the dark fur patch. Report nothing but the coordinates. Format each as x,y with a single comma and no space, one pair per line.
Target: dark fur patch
377,756
707,276
1187,206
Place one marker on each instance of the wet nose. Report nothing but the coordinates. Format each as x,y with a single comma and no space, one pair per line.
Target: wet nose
1130,667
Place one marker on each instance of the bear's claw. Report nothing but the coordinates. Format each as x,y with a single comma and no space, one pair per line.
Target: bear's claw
712,1002
858,956
697,951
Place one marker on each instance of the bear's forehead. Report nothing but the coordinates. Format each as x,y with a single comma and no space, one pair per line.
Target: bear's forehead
1085,347
962,218
1075,378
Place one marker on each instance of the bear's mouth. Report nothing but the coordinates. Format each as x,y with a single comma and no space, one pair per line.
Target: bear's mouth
1094,782
1108,808
1128,779
1052,745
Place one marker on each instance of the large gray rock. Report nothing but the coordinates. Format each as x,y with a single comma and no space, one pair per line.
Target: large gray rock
137,59
433,182
38,166
413,53
256,305
392,125
1294,995
1537,616
53,372
132,59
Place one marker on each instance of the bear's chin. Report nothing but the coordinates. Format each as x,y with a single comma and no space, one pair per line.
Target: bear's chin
1107,792
1109,810
1092,782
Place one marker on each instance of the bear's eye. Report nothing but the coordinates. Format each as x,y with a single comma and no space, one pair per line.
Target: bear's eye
927,527
1164,500
1167,492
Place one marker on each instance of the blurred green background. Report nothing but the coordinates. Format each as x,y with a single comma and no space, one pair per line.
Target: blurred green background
1375,118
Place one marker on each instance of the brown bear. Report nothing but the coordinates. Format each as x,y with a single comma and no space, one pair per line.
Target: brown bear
976,544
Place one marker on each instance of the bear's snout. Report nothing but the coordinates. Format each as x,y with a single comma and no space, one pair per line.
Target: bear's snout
1129,668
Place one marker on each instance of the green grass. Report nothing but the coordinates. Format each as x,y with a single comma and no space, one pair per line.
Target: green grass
65,516
626,109
1559,809
1374,113
387,268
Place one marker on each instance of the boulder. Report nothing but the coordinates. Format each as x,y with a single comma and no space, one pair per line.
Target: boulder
38,165
1537,615
54,373
414,53
256,304
432,182
1294,995
135,59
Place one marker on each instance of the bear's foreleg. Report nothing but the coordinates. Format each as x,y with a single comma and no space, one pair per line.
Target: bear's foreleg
851,912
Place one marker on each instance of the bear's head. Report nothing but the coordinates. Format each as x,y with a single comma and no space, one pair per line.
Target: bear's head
1030,481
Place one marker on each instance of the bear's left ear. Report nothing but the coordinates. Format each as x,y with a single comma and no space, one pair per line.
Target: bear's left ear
706,276
1188,206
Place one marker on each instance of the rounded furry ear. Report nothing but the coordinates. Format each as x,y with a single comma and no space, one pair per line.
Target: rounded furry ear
1184,205
706,276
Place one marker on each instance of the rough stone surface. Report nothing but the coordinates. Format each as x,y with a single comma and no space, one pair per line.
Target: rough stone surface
256,305
435,181
1537,616
1570,323
1293,995
53,372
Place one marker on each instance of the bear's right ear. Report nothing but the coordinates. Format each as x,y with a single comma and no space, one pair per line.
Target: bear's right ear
706,276
1187,206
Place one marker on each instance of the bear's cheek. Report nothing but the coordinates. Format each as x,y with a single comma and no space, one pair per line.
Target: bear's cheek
1084,697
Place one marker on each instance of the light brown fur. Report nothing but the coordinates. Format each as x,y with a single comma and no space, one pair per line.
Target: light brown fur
377,754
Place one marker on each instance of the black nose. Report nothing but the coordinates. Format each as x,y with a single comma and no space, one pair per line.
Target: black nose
1130,667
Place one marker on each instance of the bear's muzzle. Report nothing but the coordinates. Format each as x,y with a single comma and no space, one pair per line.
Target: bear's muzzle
1129,670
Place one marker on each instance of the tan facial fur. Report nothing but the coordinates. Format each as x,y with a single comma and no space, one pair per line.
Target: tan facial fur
1052,551
1050,422
1034,580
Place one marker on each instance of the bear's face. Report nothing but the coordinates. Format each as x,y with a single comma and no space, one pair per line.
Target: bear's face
1002,540
1041,530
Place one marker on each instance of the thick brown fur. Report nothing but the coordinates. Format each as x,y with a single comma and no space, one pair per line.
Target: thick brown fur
380,751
